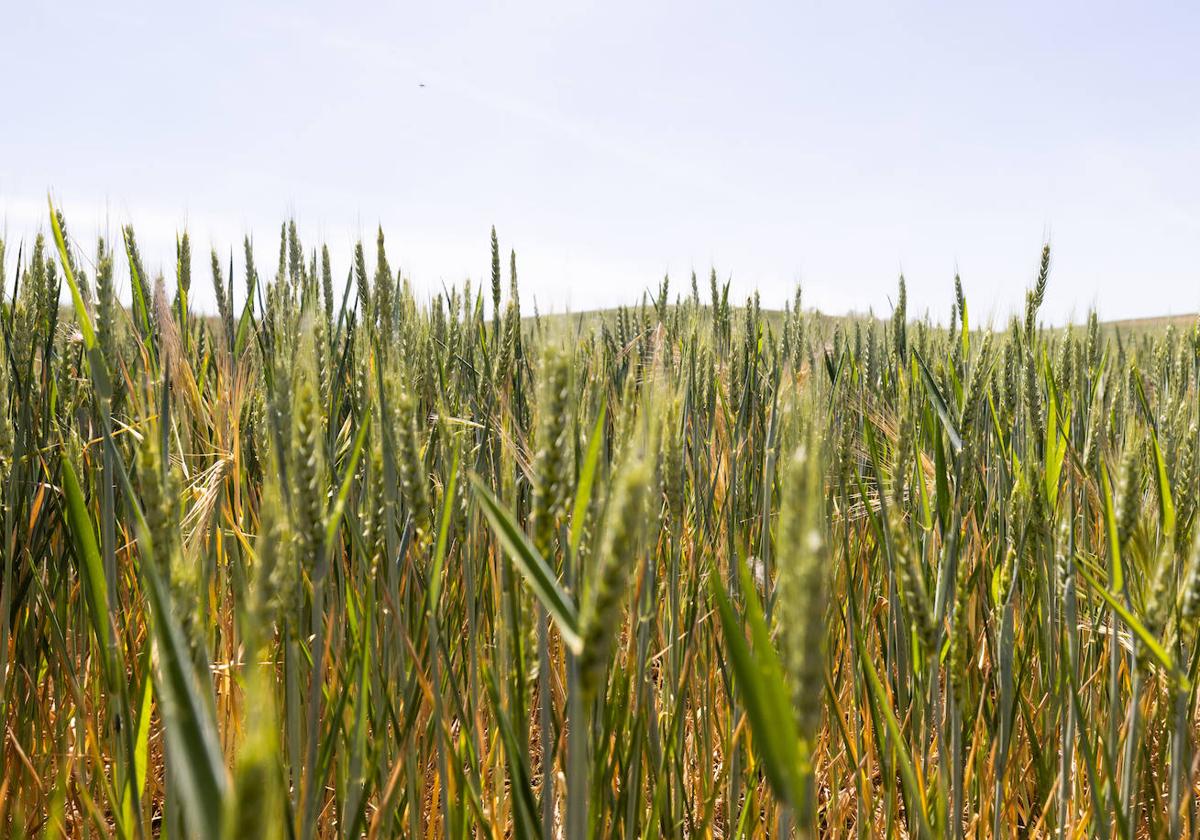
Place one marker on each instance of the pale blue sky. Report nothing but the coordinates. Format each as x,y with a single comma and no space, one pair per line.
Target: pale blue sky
834,143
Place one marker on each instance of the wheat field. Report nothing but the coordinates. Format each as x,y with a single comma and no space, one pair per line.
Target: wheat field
345,560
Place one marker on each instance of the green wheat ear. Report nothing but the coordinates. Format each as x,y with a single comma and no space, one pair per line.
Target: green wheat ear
363,285
414,477
255,809
599,618
900,322
307,471
276,584
159,491
551,468
1129,495
912,588
803,585
384,285
960,634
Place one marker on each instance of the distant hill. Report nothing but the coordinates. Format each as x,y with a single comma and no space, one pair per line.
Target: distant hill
774,316
1159,322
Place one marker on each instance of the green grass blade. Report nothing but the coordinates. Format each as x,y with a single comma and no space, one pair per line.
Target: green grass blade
85,321
908,774
939,404
587,477
533,568
1137,627
763,691
190,731
92,566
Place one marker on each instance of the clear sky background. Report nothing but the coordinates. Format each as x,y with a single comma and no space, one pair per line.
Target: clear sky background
836,144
